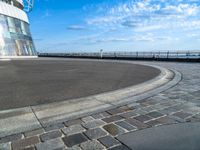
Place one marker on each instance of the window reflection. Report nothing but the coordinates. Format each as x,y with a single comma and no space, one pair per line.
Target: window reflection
15,38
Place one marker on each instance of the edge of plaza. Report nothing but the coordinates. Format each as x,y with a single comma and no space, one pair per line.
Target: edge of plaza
30,118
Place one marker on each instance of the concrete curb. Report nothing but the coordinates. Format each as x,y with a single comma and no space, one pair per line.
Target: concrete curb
31,118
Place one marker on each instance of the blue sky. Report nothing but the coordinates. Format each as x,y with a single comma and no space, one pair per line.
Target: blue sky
115,25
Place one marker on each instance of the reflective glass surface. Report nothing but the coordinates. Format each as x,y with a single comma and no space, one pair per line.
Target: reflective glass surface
15,38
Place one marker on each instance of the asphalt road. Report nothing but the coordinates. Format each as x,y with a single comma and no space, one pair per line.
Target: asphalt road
33,82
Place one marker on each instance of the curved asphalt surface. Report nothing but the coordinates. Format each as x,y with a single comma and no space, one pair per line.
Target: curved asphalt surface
33,82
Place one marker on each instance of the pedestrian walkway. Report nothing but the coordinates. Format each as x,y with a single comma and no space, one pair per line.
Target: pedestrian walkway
177,105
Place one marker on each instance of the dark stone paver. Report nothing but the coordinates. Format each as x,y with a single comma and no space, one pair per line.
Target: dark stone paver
50,135
108,141
129,114
171,137
20,144
155,114
95,133
112,119
74,139
113,129
143,118
115,111
137,123
51,145
153,123
182,115
125,125
166,120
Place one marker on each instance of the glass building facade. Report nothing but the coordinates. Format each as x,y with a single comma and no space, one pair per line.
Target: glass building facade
15,36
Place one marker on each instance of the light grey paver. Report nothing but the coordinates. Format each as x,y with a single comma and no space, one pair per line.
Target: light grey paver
93,124
51,145
92,145
73,129
5,146
95,133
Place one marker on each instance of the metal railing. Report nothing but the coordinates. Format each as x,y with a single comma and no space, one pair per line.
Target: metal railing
131,55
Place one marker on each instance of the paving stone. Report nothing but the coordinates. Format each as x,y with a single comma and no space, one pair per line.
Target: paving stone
114,129
120,147
137,123
97,116
112,119
105,114
95,133
73,129
74,139
34,132
87,119
92,145
140,111
169,110
193,119
53,144
143,118
148,109
128,114
5,146
155,114
153,123
73,122
182,115
166,120
115,111
50,135
54,127
109,141
11,138
125,125
74,148
29,148
93,124
20,144
125,108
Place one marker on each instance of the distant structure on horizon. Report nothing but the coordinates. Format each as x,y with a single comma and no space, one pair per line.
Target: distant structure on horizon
15,37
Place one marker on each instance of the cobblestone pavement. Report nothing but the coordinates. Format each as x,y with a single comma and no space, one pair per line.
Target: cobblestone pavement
99,131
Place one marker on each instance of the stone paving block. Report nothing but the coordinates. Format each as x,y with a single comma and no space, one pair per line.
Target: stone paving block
137,123
73,122
74,139
34,132
115,111
87,119
73,129
109,141
53,144
114,129
182,115
125,125
11,138
112,119
140,111
29,148
20,144
50,135
155,114
169,110
143,118
95,133
93,124
128,114
92,145
54,127
98,116
120,147
125,108
5,146
74,148
105,114
148,109
153,123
